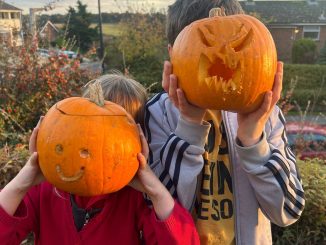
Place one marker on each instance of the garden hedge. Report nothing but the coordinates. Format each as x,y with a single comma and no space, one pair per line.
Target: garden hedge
310,84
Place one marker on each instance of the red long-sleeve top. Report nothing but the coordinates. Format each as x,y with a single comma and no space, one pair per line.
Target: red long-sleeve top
124,219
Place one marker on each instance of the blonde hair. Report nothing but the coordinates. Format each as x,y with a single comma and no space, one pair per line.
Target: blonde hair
124,91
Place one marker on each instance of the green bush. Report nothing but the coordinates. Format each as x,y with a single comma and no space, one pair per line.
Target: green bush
311,227
322,56
304,51
310,85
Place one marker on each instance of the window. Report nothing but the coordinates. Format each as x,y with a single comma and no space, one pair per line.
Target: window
4,15
14,15
311,32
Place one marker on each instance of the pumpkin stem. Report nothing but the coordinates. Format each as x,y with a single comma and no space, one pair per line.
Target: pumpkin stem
217,12
96,93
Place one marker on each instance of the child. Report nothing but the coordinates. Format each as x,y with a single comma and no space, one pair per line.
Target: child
235,171
30,204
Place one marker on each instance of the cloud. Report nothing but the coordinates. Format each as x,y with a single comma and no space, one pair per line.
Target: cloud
107,5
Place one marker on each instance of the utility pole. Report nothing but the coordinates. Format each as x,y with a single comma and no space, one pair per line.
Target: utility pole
101,35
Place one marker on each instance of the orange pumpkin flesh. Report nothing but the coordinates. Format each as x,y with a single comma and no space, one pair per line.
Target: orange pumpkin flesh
86,149
225,62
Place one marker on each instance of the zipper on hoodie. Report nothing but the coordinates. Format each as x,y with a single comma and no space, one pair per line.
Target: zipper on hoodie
231,158
87,218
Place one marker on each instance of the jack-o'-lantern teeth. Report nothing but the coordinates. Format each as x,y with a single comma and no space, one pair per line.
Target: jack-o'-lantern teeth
226,85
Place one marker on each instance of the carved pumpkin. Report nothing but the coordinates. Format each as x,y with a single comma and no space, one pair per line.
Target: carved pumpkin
225,62
86,149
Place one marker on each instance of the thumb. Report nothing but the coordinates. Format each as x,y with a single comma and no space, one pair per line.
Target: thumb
33,160
141,160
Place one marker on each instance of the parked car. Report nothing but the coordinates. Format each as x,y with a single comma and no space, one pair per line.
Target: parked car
43,52
307,140
70,54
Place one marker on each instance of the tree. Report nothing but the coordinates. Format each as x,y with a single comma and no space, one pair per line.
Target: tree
78,27
143,46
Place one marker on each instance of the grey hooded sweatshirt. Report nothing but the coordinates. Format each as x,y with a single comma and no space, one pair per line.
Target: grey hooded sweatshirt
266,184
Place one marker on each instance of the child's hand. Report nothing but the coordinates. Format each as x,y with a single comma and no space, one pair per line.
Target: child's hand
147,182
189,112
251,125
145,179
13,193
30,174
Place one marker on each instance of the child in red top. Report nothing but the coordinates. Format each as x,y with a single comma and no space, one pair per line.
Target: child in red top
30,204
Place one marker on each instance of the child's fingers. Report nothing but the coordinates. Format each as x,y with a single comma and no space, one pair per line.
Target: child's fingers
183,103
173,90
265,106
278,82
142,161
166,76
39,122
143,141
32,140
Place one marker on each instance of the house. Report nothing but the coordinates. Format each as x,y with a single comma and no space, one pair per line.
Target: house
49,32
290,20
10,24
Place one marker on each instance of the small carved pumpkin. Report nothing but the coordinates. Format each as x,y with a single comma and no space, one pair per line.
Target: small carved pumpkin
225,62
86,149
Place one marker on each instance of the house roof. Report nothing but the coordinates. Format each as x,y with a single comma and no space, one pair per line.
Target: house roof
6,6
287,12
50,24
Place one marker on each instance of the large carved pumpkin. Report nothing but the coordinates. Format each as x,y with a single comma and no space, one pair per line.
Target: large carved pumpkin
86,149
225,62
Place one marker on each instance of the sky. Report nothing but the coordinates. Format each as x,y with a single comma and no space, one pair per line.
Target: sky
61,6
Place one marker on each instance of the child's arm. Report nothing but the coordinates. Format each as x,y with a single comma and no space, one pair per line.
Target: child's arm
147,182
30,175
272,172
269,162
17,217
14,192
176,135
170,223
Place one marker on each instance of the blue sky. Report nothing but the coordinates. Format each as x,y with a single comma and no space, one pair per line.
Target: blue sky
107,5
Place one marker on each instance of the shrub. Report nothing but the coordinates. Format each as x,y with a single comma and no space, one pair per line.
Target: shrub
12,159
322,56
29,86
304,51
309,85
311,227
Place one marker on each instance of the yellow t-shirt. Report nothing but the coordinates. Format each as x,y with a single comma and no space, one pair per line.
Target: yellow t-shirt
215,212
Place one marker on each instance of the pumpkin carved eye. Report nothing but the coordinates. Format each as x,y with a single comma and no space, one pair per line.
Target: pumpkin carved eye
59,149
84,153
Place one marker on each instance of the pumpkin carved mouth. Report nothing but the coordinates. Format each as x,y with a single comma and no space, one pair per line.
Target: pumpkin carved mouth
72,178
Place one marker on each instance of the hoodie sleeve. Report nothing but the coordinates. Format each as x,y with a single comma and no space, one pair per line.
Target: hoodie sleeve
176,148
272,171
14,229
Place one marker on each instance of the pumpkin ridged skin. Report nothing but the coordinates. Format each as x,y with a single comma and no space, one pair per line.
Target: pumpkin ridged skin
95,147
243,51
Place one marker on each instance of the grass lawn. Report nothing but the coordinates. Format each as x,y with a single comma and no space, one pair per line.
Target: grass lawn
108,29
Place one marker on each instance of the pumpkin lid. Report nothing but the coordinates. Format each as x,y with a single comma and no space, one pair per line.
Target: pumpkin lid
78,106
